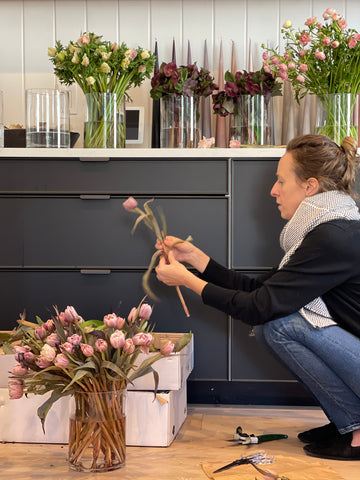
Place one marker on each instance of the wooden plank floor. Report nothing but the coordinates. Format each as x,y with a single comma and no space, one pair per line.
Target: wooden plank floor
202,438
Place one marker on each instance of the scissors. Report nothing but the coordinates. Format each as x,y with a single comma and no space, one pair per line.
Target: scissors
256,459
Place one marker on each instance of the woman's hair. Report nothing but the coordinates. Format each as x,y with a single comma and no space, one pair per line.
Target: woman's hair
320,157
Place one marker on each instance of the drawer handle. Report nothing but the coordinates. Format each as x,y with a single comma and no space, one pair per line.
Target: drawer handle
94,197
94,159
94,271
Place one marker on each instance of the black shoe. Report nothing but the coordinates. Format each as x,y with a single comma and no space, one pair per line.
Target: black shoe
319,434
338,448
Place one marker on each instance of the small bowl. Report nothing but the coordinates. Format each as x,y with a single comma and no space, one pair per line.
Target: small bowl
16,138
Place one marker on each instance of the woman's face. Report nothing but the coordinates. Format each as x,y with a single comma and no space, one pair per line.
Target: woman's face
288,190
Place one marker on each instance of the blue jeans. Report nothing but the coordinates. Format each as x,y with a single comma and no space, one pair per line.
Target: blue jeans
326,360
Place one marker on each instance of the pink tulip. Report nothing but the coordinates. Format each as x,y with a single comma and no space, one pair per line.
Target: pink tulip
326,41
329,12
267,69
101,345
49,325
117,339
335,44
19,371
48,353
283,75
67,347
320,55
302,53
87,350
71,314
292,66
29,359
20,352
53,340
234,144
132,315
167,349
275,60
40,332
304,39
129,346
110,320
74,340
120,322
265,56
61,360
357,36
15,388
143,339
303,67
42,362
300,79
130,204
283,67
145,311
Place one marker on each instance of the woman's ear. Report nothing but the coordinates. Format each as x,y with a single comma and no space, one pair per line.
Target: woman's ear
312,186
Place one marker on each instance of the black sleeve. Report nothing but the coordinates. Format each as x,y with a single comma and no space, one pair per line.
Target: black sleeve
321,262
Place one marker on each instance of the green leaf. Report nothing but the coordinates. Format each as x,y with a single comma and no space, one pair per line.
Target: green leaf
45,407
145,279
143,368
78,376
99,324
183,341
114,368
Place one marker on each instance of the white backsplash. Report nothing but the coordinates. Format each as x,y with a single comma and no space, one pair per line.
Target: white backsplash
28,27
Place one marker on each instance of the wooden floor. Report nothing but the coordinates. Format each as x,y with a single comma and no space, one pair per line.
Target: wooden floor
202,438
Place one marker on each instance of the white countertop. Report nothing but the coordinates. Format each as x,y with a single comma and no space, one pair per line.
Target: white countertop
150,153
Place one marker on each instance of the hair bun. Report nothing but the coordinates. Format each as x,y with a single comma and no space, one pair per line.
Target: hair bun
349,145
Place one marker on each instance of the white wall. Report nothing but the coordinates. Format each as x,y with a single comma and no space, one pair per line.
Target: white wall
28,27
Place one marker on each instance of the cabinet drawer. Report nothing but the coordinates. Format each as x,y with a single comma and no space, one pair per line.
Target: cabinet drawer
257,221
125,176
93,296
75,232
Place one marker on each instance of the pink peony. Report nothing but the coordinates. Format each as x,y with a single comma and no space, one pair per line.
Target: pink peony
206,142
352,42
87,350
167,349
101,345
130,204
15,388
84,39
342,24
326,41
117,339
310,21
61,360
320,55
304,39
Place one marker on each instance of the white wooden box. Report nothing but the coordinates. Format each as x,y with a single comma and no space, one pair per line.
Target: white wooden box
149,422
173,370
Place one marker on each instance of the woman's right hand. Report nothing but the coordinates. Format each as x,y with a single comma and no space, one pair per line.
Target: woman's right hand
185,251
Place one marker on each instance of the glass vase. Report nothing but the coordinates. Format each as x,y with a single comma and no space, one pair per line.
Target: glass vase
105,125
252,120
97,431
179,122
337,116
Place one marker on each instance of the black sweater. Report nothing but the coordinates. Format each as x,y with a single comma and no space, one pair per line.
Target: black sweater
326,264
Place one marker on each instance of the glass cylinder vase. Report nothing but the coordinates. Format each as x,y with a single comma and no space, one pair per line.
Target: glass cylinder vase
337,116
252,120
179,122
105,125
97,431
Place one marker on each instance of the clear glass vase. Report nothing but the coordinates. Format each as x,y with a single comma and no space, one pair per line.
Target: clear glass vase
179,122
97,431
252,120
337,116
105,124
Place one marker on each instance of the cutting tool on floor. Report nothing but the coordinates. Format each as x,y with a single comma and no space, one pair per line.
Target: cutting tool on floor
243,438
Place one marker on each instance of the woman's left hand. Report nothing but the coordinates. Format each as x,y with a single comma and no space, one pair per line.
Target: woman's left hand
171,273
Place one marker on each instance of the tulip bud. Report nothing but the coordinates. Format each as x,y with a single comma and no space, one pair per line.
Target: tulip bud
130,204
287,24
167,349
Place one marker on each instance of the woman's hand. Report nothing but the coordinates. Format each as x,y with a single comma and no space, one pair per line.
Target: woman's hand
174,273
184,251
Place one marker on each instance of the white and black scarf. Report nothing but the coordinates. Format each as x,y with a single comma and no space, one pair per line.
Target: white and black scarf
312,211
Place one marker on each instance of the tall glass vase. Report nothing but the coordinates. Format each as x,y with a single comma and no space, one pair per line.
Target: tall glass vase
97,431
252,120
337,116
179,122
105,125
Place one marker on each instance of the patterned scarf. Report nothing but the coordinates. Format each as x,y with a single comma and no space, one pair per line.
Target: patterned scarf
320,208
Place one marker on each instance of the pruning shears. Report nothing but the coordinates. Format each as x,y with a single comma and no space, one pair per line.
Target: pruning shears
242,438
